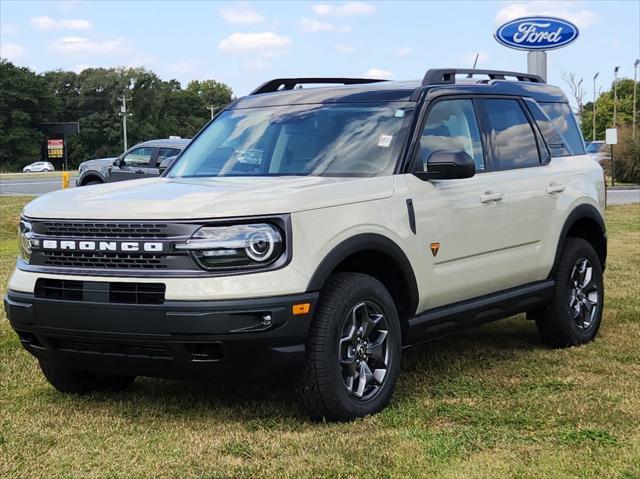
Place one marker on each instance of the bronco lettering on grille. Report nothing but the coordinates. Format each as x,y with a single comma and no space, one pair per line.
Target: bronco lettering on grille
124,246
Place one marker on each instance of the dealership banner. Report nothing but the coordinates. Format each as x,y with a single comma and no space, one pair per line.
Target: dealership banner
55,149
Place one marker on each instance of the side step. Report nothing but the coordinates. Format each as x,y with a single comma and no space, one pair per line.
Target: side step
444,320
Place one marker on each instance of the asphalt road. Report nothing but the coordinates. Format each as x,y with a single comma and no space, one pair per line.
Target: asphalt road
38,186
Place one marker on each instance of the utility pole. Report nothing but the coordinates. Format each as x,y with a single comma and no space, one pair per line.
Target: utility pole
211,109
615,95
124,113
593,135
635,85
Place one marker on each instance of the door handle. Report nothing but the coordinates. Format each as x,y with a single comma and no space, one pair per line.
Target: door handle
139,172
554,188
490,197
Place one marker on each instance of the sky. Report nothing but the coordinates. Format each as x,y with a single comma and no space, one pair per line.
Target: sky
246,43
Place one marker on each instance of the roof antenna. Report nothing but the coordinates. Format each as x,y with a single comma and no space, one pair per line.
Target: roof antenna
475,62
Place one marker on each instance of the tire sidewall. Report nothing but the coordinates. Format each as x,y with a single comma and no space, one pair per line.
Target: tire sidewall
576,250
373,291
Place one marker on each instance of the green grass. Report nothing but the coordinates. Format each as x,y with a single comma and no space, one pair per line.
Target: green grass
490,402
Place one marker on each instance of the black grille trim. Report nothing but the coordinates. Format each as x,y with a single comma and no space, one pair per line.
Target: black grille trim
101,260
111,292
105,230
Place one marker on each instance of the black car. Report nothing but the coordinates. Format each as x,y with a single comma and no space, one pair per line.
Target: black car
140,161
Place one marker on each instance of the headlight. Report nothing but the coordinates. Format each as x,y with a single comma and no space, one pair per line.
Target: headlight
235,247
25,232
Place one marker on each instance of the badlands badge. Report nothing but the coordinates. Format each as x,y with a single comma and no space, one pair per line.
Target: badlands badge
434,248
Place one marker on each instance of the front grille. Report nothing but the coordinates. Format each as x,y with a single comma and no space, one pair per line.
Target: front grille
130,349
102,260
106,230
102,292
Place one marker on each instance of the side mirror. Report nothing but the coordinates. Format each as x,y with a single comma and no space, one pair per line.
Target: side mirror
117,162
166,163
447,165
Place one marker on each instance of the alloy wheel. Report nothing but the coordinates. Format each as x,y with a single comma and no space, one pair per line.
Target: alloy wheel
364,351
583,295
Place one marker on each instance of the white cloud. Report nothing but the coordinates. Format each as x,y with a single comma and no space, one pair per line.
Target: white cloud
242,15
79,46
403,51
346,9
471,57
11,51
45,23
345,49
265,42
312,25
562,9
378,74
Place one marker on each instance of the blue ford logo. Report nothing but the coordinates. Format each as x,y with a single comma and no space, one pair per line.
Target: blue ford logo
537,33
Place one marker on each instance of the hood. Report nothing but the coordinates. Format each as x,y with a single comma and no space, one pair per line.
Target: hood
184,198
98,162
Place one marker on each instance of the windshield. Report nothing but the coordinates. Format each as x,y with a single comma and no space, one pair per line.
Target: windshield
595,147
328,140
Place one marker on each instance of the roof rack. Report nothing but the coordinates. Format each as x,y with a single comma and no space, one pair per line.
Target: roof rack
280,84
448,75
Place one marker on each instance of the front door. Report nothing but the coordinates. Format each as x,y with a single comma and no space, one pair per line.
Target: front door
135,164
461,225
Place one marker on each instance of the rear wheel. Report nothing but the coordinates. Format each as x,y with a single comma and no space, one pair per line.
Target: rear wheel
92,182
353,350
80,382
575,313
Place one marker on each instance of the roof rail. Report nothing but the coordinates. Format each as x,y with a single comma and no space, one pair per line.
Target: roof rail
448,75
280,84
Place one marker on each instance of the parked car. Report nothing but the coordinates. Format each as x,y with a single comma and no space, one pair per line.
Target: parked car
598,151
140,161
38,167
322,230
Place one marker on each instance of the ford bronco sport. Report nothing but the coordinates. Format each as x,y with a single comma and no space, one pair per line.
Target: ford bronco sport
323,230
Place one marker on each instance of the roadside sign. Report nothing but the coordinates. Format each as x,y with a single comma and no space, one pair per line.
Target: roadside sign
65,179
55,149
536,33
611,136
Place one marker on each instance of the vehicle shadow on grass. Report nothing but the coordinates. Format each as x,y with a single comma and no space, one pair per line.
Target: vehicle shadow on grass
269,402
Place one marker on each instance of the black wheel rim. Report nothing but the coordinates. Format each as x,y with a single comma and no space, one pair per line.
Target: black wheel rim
365,355
584,296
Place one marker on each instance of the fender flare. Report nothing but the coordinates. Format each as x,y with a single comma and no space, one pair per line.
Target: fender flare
583,211
91,173
366,242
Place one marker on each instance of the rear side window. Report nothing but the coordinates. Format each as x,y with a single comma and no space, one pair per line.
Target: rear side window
564,121
514,142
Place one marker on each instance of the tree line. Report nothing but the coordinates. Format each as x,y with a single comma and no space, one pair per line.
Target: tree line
158,109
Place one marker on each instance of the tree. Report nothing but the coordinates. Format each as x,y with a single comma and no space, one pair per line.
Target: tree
214,94
577,91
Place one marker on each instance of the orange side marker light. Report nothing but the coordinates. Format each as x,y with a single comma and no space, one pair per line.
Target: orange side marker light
302,308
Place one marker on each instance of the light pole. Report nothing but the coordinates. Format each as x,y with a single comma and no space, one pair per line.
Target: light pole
593,135
615,94
635,85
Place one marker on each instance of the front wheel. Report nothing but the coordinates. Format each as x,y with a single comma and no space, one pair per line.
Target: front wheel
81,382
353,350
575,313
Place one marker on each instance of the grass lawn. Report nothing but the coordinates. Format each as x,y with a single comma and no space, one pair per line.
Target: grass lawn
490,402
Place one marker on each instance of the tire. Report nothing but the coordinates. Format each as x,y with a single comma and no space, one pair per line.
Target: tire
27,171
92,182
347,375
82,382
575,313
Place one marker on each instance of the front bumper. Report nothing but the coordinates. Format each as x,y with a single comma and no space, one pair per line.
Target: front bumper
176,339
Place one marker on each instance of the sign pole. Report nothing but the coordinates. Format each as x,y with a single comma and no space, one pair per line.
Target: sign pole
64,147
613,176
537,63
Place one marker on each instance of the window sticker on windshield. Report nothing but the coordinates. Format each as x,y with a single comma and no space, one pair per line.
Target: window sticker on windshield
385,140
399,114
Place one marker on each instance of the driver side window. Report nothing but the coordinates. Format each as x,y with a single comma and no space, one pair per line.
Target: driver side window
452,125
139,157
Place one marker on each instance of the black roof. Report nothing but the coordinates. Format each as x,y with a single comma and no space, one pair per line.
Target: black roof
442,81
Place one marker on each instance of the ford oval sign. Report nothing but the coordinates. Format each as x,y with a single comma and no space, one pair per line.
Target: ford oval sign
537,33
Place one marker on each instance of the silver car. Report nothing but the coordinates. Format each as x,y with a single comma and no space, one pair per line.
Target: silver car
38,166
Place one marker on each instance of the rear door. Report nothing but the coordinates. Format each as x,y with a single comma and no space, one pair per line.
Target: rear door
137,163
534,185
